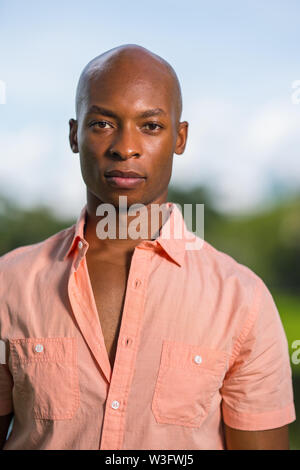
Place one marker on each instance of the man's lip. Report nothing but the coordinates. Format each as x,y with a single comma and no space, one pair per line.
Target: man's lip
124,183
123,174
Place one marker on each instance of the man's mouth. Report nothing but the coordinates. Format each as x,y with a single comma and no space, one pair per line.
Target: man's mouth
124,179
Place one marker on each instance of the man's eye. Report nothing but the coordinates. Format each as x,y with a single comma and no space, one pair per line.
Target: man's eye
152,126
101,124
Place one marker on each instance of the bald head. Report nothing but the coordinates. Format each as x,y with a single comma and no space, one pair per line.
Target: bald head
127,60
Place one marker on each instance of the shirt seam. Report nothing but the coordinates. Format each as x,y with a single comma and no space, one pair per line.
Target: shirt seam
247,325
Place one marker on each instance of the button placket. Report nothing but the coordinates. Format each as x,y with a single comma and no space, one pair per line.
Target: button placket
114,422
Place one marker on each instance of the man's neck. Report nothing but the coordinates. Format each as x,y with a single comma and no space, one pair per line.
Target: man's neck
121,226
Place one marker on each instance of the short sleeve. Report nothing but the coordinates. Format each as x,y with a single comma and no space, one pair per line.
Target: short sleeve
6,385
257,392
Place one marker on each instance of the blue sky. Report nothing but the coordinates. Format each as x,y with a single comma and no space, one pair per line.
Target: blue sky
236,61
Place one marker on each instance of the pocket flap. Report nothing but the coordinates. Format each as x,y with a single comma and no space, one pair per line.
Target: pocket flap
60,350
195,357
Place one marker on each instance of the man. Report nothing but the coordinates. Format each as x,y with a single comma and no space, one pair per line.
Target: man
125,343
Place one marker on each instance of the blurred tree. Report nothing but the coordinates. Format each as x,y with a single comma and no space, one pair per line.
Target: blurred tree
20,226
198,195
267,242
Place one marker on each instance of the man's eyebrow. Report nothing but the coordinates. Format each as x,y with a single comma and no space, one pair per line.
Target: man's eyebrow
152,112
95,109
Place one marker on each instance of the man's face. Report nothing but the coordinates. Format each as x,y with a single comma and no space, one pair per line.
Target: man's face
128,122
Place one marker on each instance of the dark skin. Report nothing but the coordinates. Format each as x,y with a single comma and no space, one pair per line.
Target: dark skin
120,137
134,127
270,439
126,84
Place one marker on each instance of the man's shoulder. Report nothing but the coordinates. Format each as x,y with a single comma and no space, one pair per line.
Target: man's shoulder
224,267
45,249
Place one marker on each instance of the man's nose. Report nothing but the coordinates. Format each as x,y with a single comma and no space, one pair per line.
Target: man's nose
125,145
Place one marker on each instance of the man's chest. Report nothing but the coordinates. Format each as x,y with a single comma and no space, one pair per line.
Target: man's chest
108,283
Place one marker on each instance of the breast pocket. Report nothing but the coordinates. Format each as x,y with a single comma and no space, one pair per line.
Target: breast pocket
45,375
189,377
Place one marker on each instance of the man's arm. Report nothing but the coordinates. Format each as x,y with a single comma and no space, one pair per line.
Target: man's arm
272,439
257,391
4,425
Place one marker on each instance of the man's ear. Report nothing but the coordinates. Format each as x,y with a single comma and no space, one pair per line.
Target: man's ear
73,135
181,140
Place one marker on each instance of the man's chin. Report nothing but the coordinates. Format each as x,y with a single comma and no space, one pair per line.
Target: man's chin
123,201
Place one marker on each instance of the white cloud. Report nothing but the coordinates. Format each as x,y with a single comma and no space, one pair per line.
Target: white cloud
238,154
37,166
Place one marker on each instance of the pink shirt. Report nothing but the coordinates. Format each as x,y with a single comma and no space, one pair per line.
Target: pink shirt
201,342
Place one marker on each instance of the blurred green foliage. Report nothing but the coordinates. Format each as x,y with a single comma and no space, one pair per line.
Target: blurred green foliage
268,242
19,226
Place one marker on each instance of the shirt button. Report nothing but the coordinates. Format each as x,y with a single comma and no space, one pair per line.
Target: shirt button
80,245
198,359
137,283
115,404
39,348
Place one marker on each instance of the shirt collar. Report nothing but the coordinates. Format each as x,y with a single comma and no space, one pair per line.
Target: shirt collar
78,232
172,237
